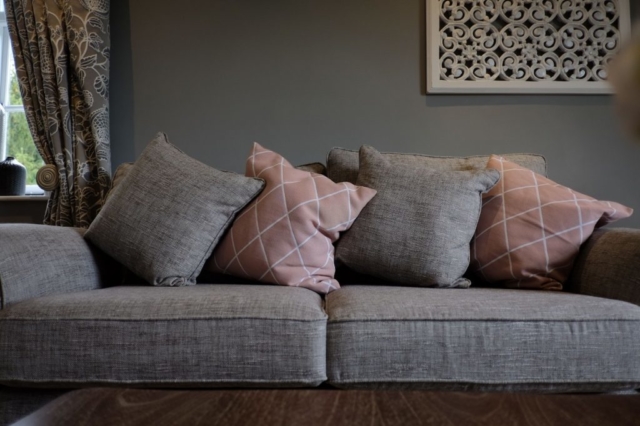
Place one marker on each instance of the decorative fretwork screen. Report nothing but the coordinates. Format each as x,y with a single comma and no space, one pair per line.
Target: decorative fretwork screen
523,46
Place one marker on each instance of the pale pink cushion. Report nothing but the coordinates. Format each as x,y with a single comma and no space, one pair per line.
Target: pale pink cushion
286,235
531,228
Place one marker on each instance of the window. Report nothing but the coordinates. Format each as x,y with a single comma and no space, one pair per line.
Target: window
15,137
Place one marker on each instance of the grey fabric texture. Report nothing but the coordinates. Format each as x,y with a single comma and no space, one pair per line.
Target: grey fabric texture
418,228
318,168
41,260
616,388
118,176
204,335
481,339
609,265
123,170
165,218
342,164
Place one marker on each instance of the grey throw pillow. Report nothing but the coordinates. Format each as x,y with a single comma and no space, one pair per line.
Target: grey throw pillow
166,216
123,170
417,230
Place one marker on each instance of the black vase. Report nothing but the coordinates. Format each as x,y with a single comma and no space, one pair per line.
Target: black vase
13,177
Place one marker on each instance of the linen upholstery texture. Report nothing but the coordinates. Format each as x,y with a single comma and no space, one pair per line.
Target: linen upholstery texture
481,339
41,260
167,215
123,170
286,235
609,265
418,228
318,168
61,51
342,164
204,335
531,228
118,176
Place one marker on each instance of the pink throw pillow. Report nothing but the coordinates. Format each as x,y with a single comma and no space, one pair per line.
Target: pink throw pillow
286,235
531,228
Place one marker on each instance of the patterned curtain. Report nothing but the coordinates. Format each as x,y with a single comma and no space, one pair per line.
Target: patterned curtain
61,50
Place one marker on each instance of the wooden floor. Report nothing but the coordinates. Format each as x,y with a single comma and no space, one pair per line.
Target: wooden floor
98,407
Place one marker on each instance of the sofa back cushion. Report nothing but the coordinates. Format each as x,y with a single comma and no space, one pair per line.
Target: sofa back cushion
121,172
342,164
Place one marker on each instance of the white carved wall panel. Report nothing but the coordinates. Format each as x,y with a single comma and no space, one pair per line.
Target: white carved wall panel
523,46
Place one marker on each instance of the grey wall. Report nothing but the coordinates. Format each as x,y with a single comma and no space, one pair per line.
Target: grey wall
301,76
121,85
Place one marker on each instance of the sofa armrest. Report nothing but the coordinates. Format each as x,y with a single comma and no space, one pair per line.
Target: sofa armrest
609,265
40,260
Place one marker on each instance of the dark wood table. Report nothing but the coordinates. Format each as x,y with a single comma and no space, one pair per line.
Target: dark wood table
101,407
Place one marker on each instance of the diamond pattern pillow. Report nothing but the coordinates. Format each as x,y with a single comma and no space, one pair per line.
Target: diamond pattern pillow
531,228
286,235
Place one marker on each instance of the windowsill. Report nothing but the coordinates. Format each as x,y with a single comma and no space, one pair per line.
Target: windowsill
32,193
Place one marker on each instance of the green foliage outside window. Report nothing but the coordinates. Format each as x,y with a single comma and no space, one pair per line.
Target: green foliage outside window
14,90
20,142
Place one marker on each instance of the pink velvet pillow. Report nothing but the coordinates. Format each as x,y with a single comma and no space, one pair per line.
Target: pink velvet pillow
531,228
286,235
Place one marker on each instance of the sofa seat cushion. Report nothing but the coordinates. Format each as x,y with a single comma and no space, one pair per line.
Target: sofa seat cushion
481,339
205,335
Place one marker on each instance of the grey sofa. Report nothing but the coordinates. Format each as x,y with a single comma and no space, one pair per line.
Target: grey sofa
66,323
69,320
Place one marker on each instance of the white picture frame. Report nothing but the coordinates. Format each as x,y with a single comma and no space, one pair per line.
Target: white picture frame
449,36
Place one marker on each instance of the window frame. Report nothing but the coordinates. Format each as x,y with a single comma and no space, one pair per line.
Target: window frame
4,83
5,109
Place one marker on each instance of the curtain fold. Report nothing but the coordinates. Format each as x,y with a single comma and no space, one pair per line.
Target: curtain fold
61,50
